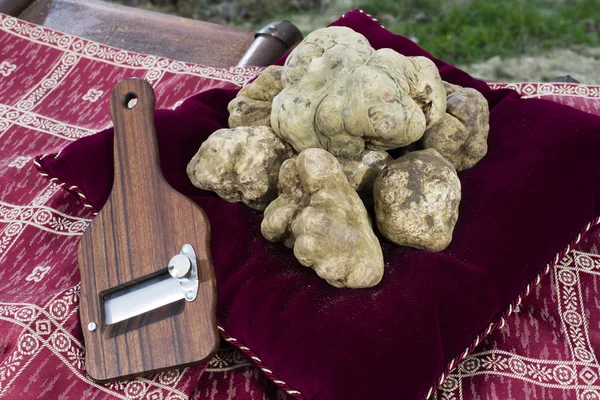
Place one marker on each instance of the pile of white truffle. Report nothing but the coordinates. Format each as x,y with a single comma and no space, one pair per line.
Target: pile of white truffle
308,144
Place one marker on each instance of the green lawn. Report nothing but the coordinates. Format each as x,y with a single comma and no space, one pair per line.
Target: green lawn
458,31
463,32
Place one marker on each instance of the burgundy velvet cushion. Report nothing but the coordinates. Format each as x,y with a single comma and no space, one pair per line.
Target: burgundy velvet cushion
536,189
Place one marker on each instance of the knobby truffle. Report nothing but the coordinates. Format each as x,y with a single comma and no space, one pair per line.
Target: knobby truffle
341,95
252,105
362,171
416,200
321,217
240,164
461,136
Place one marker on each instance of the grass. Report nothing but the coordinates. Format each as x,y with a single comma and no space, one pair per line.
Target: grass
464,32
457,31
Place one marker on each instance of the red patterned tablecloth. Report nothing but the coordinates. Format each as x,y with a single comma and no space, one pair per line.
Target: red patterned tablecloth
54,88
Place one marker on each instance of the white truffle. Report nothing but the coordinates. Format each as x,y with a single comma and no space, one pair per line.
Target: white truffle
461,136
343,96
416,200
362,170
321,217
240,165
252,105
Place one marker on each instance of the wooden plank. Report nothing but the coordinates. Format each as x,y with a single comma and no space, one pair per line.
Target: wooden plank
143,225
143,31
14,7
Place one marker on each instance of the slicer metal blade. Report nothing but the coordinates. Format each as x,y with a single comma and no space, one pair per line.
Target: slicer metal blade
179,281
140,298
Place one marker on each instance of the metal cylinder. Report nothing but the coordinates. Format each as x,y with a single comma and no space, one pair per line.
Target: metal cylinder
271,43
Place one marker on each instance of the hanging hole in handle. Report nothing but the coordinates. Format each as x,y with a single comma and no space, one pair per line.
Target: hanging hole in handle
130,100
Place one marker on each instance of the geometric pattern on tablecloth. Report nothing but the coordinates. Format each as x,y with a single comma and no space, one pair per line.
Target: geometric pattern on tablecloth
575,373
540,89
41,348
549,347
43,326
72,55
583,97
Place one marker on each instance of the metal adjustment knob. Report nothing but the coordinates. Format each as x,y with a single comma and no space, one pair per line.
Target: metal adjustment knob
180,266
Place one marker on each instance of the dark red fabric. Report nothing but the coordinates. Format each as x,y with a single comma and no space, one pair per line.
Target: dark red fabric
535,190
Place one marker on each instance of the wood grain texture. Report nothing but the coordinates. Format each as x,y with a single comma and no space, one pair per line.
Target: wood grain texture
144,223
13,7
143,31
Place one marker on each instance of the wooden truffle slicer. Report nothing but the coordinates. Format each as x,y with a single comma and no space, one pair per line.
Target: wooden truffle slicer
148,291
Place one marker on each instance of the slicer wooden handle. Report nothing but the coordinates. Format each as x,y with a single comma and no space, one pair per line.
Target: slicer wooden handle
136,149
144,223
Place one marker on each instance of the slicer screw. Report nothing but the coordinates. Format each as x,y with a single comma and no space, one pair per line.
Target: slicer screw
180,266
92,326
189,296
187,248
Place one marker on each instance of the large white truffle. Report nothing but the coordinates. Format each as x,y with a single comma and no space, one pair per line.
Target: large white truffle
416,200
343,96
240,164
321,217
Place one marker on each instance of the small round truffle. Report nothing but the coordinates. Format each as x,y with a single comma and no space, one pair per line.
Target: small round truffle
461,135
252,105
450,88
416,200
362,171
240,164
319,214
